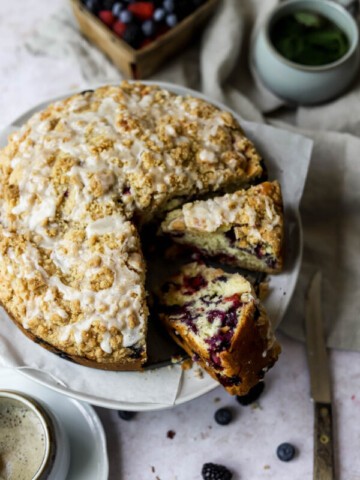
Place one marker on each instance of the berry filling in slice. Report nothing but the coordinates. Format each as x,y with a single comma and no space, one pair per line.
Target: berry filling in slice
243,229
217,319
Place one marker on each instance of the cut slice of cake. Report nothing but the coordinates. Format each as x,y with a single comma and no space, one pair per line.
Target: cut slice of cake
243,229
217,319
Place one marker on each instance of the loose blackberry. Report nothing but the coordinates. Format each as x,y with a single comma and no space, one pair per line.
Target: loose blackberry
125,415
133,35
285,452
211,471
252,396
223,416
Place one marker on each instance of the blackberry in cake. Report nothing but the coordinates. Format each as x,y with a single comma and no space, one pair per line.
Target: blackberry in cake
77,181
217,319
243,229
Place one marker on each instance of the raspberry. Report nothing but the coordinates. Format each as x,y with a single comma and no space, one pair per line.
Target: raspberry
211,471
119,28
142,10
107,17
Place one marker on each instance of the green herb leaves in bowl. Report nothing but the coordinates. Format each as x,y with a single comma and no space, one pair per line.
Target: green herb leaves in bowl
308,38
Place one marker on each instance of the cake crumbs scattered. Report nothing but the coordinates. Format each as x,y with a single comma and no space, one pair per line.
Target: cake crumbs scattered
266,467
187,364
217,399
176,358
255,406
171,434
153,469
199,373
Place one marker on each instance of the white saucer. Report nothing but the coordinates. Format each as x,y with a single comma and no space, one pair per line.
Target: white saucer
89,460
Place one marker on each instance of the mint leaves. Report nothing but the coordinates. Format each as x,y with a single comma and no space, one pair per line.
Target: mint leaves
309,39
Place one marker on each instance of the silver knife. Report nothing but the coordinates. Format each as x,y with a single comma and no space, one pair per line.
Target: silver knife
320,390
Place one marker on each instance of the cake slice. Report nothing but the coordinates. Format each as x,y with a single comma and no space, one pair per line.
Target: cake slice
217,319
243,229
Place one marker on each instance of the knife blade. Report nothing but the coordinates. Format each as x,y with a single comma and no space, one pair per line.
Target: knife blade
320,384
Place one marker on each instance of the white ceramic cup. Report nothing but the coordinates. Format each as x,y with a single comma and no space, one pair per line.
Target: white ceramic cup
55,457
300,83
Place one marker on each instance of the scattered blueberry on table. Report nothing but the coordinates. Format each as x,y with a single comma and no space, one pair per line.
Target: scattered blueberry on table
252,396
211,471
223,416
139,23
126,415
285,452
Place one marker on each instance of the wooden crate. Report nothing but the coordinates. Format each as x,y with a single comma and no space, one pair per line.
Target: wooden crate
141,63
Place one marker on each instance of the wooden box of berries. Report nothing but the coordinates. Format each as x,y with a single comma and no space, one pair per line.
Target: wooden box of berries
139,36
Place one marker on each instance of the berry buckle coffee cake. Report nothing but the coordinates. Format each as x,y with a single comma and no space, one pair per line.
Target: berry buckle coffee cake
77,181
217,319
243,229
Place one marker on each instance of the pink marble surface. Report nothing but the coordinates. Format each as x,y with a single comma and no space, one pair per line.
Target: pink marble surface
248,444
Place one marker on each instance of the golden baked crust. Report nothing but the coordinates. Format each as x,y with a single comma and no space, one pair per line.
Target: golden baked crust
244,228
217,319
73,179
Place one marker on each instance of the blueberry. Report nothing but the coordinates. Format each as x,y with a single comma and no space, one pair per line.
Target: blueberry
171,20
148,28
126,16
159,15
252,396
117,8
223,416
125,415
211,471
169,5
92,5
285,452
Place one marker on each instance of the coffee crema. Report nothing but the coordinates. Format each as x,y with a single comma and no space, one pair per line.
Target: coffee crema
22,441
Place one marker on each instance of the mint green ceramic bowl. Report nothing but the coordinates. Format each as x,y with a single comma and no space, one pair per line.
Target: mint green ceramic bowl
300,83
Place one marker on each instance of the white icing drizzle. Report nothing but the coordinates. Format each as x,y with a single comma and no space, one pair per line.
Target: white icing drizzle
105,142
230,209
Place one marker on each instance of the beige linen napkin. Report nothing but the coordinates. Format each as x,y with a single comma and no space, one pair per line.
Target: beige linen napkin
219,65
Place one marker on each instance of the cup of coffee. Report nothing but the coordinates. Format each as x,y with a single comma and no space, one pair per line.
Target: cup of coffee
33,444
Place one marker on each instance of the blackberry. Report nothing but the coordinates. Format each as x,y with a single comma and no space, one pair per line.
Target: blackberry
107,4
133,35
183,8
223,416
211,471
252,396
125,415
285,452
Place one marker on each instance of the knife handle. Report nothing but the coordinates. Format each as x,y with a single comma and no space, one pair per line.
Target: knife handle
323,442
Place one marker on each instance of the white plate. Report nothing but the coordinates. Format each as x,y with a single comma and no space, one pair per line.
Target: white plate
89,460
276,303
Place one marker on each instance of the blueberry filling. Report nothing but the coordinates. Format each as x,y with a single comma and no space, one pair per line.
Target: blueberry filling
222,278
229,381
211,299
137,352
126,191
181,313
194,284
230,235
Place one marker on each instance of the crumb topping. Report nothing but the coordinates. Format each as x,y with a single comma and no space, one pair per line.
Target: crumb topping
71,179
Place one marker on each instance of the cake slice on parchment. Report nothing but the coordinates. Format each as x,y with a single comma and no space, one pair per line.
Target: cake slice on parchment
216,317
243,229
